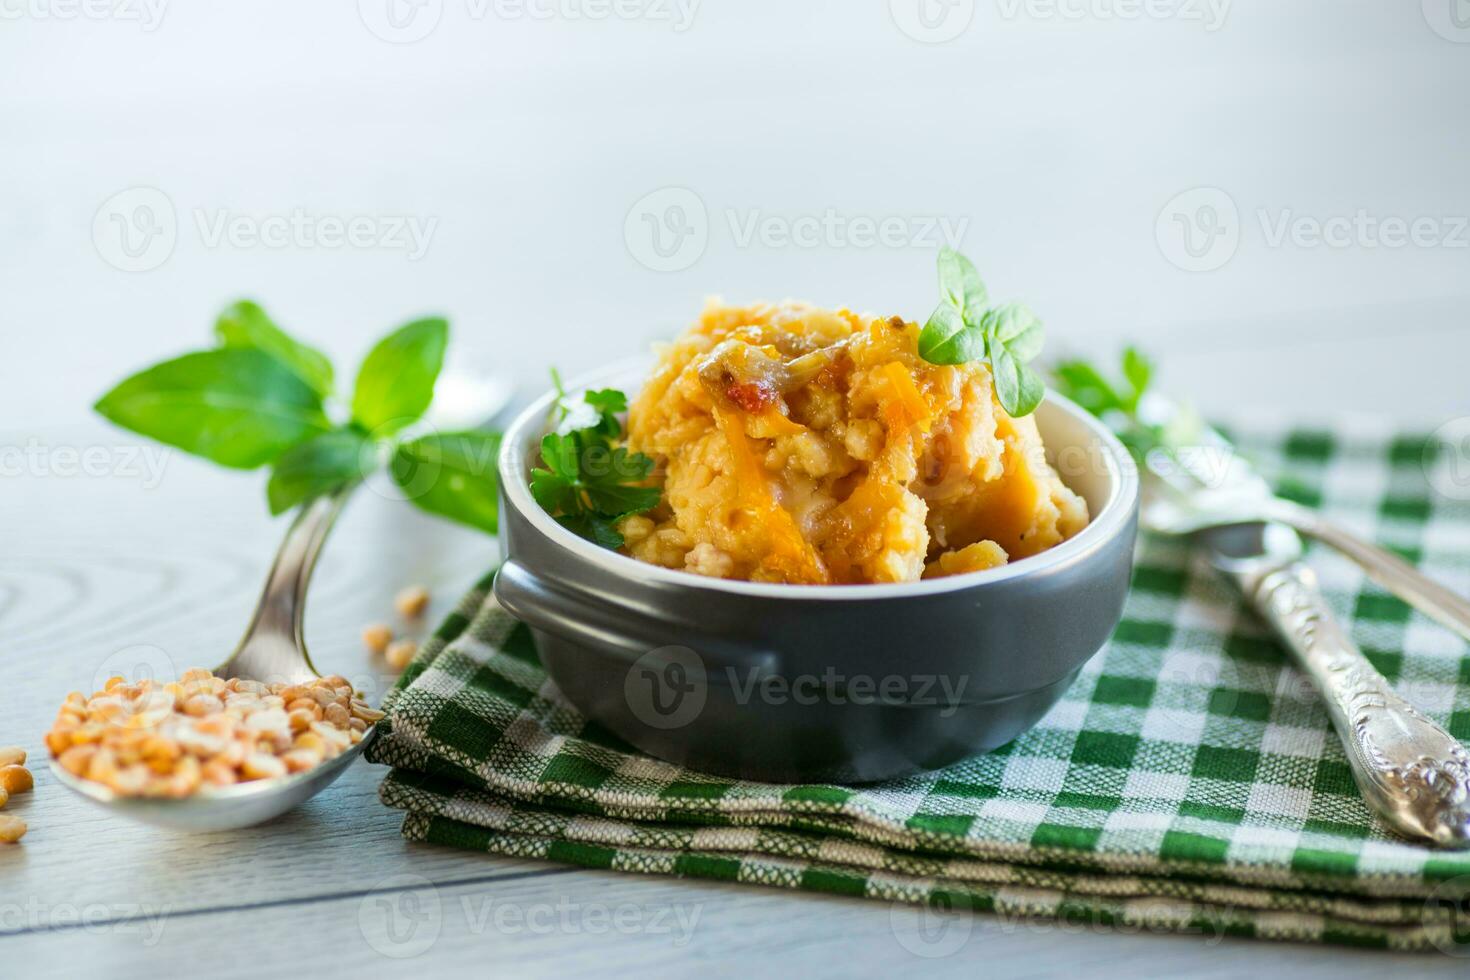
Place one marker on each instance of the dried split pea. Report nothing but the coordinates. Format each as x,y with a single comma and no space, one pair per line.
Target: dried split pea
376,637
412,602
401,653
12,829
16,779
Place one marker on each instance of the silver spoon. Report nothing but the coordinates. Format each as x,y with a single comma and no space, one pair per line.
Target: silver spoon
273,650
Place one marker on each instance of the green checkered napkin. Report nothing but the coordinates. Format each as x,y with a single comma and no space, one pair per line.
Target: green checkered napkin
1188,780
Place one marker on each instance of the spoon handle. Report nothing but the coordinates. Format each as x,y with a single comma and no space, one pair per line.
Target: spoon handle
1411,772
274,647
1384,567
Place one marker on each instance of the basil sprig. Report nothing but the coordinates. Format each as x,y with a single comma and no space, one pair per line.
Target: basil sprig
965,327
1116,401
264,398
586,481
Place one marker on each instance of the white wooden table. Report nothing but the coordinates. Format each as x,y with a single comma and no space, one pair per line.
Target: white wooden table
1060,140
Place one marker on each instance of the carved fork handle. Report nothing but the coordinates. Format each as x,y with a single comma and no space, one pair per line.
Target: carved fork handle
1412,773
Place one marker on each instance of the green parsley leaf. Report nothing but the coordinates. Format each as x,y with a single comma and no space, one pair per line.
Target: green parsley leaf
318,466
245,324
236,406
396,381
586,481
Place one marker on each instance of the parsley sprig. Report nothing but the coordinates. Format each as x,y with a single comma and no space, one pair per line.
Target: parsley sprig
587,481
965,327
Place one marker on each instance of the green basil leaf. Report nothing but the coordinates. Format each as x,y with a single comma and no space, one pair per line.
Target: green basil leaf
1017,329
320,465
396,381
948,339
960,284
236,406
1139,371
1085,385
1017,387
452,474
245,324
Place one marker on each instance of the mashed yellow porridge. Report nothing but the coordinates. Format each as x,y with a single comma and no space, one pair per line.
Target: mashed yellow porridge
809,446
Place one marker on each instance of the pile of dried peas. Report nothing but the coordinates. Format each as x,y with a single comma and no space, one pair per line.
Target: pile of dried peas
14,778
203,731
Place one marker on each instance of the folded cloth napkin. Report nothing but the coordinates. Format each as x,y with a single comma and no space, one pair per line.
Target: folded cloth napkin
1189,779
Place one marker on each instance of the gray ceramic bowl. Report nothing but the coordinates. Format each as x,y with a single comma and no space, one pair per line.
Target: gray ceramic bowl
800,683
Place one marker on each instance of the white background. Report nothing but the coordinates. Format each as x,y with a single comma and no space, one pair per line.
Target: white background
1057,133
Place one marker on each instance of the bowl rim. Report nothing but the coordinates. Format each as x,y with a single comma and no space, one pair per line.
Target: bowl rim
1112,519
